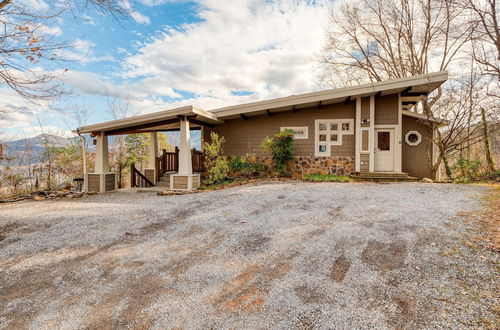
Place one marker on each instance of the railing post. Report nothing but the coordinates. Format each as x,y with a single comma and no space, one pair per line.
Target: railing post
132,176
176,160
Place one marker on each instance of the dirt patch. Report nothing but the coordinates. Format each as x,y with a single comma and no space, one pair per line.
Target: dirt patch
249,289
489,218
7,228
309,295
384,256
404,313
339,269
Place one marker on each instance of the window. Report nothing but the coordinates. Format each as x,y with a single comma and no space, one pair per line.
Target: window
329,132
299,133
413,138
383,140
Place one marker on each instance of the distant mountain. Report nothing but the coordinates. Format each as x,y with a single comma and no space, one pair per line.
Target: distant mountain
33,147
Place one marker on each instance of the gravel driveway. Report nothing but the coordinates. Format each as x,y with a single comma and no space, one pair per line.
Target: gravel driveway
275,255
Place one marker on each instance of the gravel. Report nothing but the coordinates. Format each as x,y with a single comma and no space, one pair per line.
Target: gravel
275,255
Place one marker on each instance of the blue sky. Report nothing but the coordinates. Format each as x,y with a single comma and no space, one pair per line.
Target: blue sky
170,53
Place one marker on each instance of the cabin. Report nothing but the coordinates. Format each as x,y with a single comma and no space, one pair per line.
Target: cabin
369,130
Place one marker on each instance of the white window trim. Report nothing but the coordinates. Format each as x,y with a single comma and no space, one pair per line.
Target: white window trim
329,132
416,143
305,136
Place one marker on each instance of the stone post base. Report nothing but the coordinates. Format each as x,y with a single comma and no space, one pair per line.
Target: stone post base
184,182
101,182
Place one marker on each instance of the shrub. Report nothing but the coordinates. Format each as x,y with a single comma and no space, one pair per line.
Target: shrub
281,147
214,162
316,177
244,167
468,169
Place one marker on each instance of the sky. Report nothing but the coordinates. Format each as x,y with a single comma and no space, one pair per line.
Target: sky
170,53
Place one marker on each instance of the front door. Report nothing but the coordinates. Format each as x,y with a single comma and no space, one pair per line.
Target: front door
384,150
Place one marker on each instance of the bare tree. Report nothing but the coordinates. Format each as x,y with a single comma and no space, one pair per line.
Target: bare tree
118,109
486,42
374,40
26,42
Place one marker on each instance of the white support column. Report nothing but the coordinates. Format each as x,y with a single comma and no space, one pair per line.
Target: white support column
372,134
101,154
398,160
357,145
185,166
153,150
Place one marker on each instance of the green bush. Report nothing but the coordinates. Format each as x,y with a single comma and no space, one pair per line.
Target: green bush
467,169
216,165
243,167
316,177
282,148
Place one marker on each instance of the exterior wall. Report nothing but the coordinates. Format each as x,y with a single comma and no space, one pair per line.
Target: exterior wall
110,182
245,136
180,182
415,159
93,182
386,110
365,110
365,162
150,175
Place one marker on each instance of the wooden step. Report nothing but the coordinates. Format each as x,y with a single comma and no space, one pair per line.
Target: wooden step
385,178
163,184
383,174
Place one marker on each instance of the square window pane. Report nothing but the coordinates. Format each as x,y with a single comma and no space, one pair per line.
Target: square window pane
322,137
334,137
345,126
322,127
322,148
334,127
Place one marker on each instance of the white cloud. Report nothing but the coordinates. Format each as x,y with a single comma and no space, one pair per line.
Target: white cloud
267,47
138,17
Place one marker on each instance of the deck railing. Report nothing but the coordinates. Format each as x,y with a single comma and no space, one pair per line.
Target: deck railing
169,162
137,179
197,160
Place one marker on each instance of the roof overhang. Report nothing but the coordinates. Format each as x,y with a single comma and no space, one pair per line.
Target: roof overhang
162,120
412,89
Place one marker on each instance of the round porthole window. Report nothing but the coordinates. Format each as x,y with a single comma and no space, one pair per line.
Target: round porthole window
413,138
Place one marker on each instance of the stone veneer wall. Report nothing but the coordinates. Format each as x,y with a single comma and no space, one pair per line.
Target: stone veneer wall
303,165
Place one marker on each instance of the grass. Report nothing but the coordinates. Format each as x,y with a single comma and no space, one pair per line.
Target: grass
316,177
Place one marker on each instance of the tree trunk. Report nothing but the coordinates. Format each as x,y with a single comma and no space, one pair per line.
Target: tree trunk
487,143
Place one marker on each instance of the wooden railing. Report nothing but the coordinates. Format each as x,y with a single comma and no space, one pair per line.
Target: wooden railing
169,162
197,160
137,179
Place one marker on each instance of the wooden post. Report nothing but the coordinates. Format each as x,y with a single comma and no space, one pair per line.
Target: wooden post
132,176
176,158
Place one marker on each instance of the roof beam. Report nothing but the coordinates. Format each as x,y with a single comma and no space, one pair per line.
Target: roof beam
201,123
320,103
243,116
378,93
415,94
294,109
347,100
134,129
406,90
269,113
